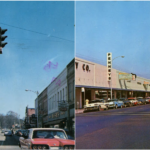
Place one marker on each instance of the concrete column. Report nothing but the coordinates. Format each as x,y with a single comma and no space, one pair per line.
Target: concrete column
92,94
115,94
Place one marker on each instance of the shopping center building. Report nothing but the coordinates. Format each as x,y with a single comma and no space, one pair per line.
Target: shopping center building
91,83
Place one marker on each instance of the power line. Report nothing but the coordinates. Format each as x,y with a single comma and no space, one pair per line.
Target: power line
36,32
23,29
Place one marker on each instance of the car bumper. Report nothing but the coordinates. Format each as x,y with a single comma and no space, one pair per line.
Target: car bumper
91,108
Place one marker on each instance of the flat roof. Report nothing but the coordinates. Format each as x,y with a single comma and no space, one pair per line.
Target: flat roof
108,88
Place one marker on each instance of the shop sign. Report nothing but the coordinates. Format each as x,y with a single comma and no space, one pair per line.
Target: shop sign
146,82
125,76
85,67
63,105
53,116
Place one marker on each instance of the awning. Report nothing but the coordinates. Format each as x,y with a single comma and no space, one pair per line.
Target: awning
108,88
54,122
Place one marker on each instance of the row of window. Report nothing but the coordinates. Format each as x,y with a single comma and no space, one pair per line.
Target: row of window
56,98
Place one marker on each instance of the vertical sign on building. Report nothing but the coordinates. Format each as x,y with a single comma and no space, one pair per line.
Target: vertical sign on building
109,66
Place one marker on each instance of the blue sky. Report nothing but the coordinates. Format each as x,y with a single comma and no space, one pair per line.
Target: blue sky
122,28
27,52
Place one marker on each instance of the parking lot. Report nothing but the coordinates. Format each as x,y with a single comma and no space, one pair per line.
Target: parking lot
122,128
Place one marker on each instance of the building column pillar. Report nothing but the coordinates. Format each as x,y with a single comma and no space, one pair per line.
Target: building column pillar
92,94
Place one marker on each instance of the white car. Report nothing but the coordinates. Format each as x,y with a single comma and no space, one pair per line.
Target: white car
133,100
96,105
8,132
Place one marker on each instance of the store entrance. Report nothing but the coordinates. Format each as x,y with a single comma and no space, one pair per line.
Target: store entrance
88,94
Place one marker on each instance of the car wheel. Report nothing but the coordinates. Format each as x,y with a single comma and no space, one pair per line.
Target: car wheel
116,106
106,107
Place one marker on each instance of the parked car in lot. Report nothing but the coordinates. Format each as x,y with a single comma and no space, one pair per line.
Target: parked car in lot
97,104
115,103
126,102
147,100
133,101
46,138
8,132
141,100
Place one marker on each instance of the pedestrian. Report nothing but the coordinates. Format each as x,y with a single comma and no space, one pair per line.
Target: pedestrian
12,131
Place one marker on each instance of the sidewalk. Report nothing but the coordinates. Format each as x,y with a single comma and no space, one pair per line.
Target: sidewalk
79,111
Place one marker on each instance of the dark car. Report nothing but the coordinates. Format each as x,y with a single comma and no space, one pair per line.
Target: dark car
126,102
141,101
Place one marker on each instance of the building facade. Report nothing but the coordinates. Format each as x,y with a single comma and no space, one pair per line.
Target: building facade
42,110
91,82
60,100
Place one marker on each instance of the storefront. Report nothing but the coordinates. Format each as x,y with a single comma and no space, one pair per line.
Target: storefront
91,83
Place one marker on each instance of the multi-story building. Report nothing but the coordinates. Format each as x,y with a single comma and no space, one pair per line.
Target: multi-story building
91,82
60,100
42,110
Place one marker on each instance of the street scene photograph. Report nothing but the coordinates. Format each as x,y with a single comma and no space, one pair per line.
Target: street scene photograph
112,74
37,92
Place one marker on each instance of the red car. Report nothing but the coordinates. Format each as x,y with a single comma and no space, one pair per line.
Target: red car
45,138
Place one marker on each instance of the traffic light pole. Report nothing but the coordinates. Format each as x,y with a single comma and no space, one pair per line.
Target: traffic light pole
2,38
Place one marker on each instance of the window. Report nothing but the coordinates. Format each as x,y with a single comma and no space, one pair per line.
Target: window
60,96
63,95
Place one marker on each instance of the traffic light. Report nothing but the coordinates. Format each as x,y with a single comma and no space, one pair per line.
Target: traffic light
2,38
109,66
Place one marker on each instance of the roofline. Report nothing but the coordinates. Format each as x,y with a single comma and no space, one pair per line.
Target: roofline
108,88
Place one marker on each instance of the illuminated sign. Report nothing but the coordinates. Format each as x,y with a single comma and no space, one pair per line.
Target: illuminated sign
109,66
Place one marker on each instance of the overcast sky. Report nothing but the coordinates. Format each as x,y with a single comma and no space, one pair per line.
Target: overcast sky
120,27
38,32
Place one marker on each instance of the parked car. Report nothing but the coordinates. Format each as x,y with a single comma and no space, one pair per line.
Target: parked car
126,102
133,101
147,100
141,100
115,103
45,138
97,104
8,132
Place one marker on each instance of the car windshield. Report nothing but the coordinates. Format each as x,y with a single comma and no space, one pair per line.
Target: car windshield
96,101
49,134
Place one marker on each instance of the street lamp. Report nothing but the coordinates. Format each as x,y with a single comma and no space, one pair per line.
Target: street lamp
111,74
37,99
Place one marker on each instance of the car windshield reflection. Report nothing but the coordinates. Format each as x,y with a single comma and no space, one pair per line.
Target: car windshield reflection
48,134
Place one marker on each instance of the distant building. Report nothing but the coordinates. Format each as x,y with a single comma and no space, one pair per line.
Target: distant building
30,118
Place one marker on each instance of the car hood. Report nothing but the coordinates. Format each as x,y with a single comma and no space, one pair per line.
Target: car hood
53,142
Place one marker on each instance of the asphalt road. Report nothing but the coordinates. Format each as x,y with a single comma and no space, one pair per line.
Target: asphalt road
9,142
126,128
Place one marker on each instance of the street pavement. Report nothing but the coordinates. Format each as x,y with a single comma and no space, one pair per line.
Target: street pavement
126,128
9,142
